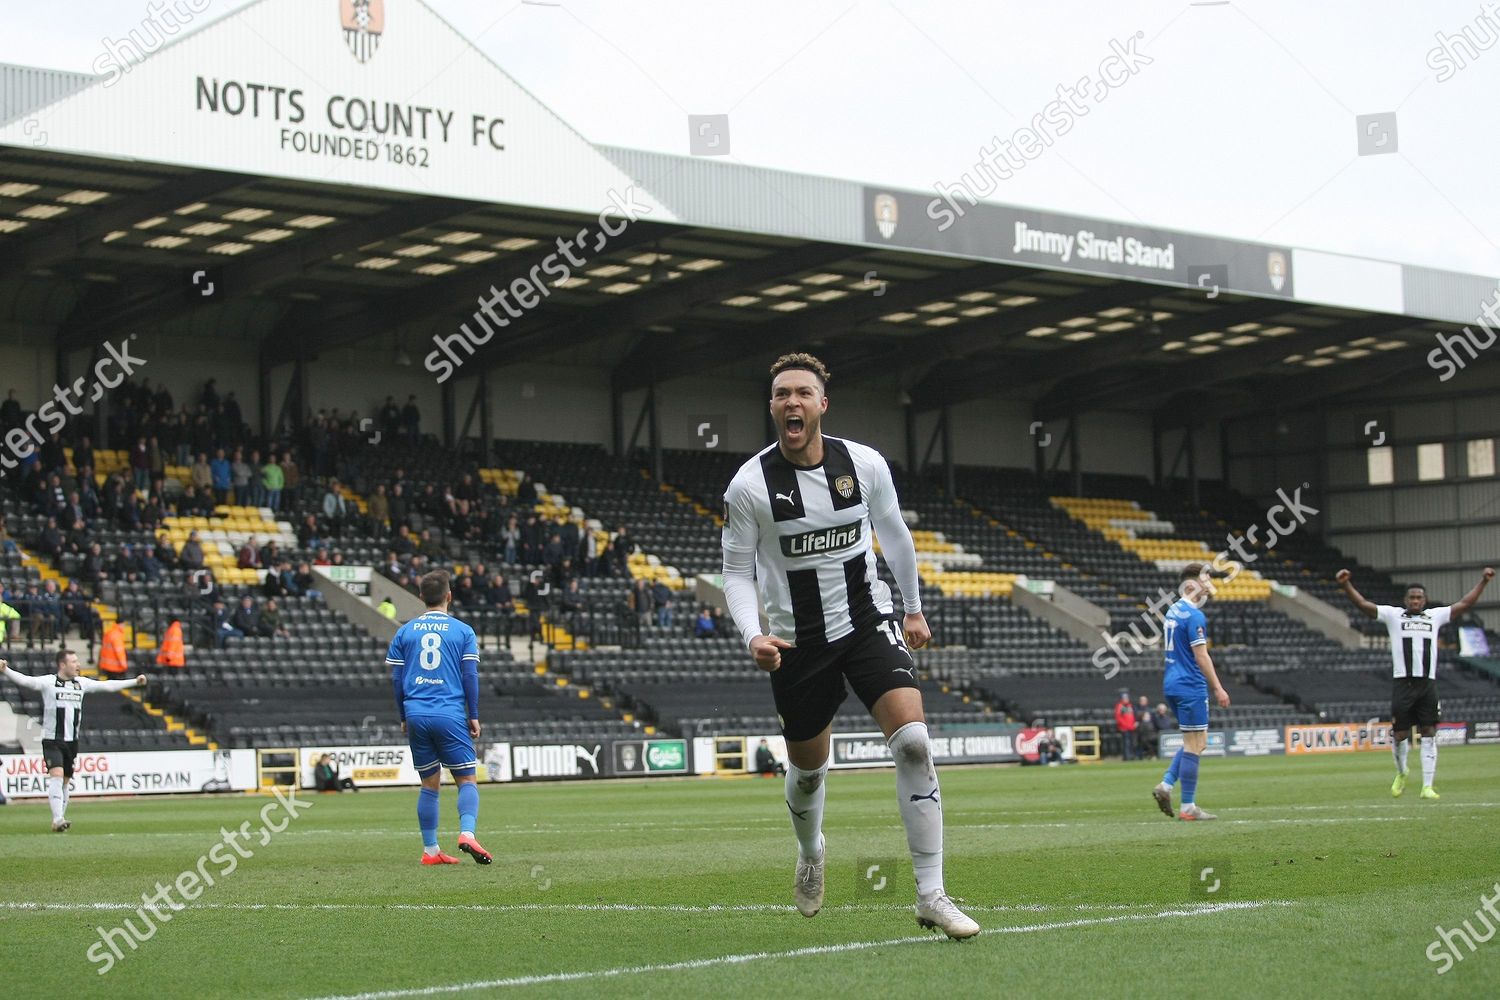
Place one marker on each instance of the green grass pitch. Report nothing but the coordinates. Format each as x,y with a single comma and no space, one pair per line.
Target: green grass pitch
1326,886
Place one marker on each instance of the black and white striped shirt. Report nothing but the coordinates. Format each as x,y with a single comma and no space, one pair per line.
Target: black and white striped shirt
810,530
62,701
1414,646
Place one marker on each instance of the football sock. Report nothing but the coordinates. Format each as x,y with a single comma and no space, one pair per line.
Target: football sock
921,810
805,791
468,806
1170,778
1429,759
1399,749
427,818
1189,771
67,793
55,798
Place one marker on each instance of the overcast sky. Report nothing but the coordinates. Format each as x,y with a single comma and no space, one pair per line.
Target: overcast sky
1241,124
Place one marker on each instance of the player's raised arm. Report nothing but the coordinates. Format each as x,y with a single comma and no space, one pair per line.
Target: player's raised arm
1463,604
24,680
1360,601
900,554
89,684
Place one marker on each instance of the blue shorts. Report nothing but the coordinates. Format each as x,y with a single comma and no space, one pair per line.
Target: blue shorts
1191,709
440,742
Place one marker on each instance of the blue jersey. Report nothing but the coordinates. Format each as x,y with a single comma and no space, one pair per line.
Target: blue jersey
434,661
1185,628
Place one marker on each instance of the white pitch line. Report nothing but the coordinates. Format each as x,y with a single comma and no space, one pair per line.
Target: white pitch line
742,959
38,907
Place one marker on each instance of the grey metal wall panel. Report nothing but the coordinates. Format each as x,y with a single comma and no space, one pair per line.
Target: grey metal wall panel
708,191
1425,504
1426,547
1372,550
1365,509
1443,294
23,89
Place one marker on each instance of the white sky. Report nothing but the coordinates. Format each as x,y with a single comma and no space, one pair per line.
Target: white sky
1243,125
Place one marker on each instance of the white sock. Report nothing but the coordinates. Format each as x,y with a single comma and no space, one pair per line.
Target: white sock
57,798
921,808
1399,750
805,791
1429,759
432,851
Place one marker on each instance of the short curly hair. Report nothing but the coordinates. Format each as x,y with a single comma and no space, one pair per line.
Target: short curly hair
806,362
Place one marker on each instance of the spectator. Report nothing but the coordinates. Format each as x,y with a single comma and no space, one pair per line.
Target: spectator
619,552
126,565
191,556
765,761
639,599
10,411
1147,735
537,594
7,613
93,572
335,509
7,545
140,464
379,510
240,472
306,583
308,533
51,540
151,564
291,471
222,475
510,538
387,608
571,600
246,619
704,628
166,553
273,480
201,586
661,596
526,491
400,507
248,556
50,611
390,420
411,420
326,777
270,622
1126,724
201,475
221,625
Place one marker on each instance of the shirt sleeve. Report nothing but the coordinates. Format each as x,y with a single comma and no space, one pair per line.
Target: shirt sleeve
470,672
32,683
1386,614
1199,624
741,538
1440,616
395,659
89,684
895,537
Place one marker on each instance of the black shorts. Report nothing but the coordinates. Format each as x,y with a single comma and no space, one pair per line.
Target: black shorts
809,685
60,753
1414,702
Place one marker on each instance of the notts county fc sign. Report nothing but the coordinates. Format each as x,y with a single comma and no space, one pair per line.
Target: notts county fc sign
364,22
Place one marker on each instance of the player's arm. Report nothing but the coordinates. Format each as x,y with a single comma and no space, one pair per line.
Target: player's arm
89,684
1206,667
395,658
1363,603
24,680
469,669
900,553
1462,605
741,536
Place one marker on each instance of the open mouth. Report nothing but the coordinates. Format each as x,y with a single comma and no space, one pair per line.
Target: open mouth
794,425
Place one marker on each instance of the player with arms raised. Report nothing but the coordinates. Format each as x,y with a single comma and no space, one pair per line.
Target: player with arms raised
62,720
1189,678
434,661
1414,655
797,521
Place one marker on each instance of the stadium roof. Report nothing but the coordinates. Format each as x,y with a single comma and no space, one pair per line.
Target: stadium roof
233,151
